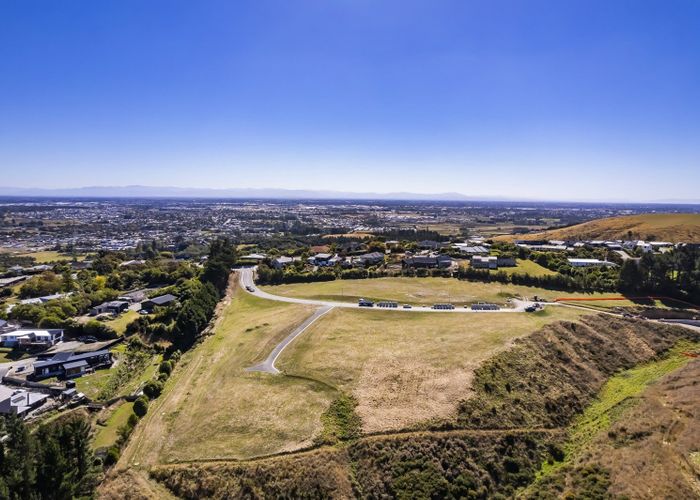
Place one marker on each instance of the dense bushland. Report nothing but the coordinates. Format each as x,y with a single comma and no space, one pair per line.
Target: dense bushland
54,462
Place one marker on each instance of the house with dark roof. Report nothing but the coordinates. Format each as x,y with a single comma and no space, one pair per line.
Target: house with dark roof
19,402
369,259
160,301
71,364
112,307
427,261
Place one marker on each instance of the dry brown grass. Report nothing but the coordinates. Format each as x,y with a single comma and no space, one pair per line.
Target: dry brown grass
406,368
131,485
664,227
657,462
212,408
419,291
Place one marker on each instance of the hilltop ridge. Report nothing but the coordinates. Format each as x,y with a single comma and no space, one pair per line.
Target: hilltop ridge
676,228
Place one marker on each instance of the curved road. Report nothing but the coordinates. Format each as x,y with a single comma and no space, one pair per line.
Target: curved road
247,283
246,279
268,366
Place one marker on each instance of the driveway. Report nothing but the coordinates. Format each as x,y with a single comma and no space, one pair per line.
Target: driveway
268,366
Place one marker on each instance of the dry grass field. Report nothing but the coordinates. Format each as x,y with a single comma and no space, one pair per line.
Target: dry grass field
662,227
417,291
406,368
212,408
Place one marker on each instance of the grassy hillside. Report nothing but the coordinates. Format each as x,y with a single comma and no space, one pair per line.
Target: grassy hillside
660,227
212,408
404,369
516,420
638,440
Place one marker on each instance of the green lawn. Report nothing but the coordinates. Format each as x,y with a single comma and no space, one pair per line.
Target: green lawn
526,266
418,291
92,384
119,324
106,435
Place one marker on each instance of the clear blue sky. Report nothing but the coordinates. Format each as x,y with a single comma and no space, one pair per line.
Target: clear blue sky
561,99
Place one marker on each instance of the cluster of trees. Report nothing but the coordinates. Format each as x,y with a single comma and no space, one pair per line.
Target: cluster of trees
675,273
555,281
53,462
47,283
197,301
272,276
159,269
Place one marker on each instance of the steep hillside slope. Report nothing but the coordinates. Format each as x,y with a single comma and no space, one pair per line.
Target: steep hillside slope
651,451
661,227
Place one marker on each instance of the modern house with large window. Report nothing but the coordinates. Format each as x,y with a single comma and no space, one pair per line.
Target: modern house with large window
71,364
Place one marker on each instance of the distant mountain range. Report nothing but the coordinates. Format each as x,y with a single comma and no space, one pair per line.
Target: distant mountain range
274,194
178,192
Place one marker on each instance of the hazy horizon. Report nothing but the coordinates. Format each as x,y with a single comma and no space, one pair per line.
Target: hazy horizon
590,101
141,191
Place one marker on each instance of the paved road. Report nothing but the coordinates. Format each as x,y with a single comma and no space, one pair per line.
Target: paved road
268,366
625,255
246,280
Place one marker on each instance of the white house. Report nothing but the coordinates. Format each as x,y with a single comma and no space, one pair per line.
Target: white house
590,263
283,261
484,262
28,338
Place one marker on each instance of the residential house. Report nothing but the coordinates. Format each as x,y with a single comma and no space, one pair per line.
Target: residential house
81,265
132,263
590,263
160,301
433,261
31,338
484,262
283,261
71,364
19,402
468,249
322,259
112,307
45,298
429,245
257,257
369,259
11,281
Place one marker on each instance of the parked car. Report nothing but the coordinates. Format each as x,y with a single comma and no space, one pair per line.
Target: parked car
407,306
